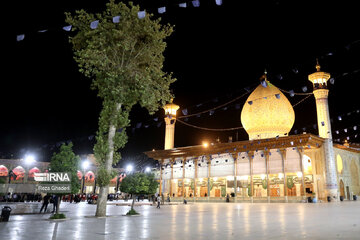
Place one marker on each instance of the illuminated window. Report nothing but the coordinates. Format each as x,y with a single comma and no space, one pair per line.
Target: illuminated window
339,164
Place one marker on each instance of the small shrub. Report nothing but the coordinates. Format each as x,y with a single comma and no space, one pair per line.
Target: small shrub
132,212
58,216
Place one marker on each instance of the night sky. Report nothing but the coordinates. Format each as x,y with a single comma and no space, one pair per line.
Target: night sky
215,53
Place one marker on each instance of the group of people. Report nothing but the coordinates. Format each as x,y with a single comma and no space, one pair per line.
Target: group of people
49,199
20,197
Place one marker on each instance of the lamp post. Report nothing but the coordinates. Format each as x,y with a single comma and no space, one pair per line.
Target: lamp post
85,165
129,168
29,159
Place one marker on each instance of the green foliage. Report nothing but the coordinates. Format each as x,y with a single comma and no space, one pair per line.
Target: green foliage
2,181
223,191
58,216
139,183
264,183
125,61
290,182
192,185
104,177
66,161
211,184
249,190
132,212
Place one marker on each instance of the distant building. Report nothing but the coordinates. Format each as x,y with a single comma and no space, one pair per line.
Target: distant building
15,172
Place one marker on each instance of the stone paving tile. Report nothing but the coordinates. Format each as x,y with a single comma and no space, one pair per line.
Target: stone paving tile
194,221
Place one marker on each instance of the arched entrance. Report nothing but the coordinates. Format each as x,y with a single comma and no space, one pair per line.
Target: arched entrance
342,189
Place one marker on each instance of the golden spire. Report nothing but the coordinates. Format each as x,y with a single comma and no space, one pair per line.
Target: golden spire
317,65
264,76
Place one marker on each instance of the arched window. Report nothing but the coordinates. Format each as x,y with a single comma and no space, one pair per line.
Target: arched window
354,173
79,174
89,176
32,171
4,172
19,171
339,164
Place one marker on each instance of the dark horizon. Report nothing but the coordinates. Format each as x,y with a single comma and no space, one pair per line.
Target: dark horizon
215,53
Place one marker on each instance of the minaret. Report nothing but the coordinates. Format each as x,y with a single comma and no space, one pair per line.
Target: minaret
319,80
321,92
170,119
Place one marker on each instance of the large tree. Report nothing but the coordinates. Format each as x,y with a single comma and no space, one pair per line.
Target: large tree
139,184
125,61
66,161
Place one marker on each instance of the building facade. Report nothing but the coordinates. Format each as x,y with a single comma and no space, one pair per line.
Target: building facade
15,172
269,167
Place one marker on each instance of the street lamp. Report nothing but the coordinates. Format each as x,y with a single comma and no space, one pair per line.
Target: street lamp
147,169
129,168
85,164
29,159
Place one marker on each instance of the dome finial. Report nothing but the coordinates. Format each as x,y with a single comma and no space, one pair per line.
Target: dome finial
264,76
317,65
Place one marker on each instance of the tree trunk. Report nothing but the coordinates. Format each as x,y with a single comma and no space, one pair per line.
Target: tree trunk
133,202
101,202
58,204
102,198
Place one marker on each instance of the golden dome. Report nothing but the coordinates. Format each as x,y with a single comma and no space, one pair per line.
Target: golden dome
267,113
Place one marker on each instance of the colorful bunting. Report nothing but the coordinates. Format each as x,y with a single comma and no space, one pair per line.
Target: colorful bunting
161,10
196,3
116,19
141,14
94,24
67,28
20,37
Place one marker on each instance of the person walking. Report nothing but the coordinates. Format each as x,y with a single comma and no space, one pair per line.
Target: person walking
158,202
55,203
45,203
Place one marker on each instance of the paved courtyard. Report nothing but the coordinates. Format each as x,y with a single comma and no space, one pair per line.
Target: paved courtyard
194,221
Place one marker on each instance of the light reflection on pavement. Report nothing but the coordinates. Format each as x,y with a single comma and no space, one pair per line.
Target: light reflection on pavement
194,221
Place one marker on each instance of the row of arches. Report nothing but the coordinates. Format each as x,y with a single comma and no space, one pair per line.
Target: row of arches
348,175
19,174
90,177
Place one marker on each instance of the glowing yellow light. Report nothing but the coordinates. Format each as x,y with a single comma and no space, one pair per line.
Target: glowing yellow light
171,108
205,144
243,178
319,77
339,164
